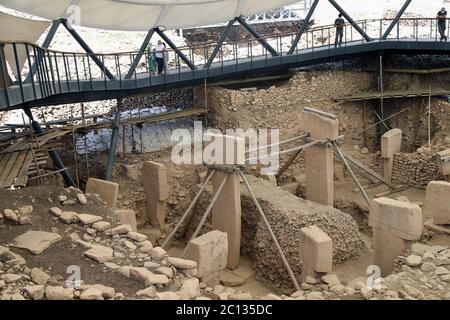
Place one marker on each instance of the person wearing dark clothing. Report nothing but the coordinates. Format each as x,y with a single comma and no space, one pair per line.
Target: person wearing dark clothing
339,24
442,23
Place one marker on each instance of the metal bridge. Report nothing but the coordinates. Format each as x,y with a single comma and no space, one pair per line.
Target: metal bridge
293,13
53,77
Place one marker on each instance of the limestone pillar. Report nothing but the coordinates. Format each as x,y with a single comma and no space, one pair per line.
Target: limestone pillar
316,252
437,201
319,159
391,143
154,178
395,225
226,212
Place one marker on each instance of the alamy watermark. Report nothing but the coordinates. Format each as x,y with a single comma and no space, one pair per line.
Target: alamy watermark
233,147
73,14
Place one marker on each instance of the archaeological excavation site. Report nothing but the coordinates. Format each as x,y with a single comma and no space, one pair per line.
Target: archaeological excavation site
224,150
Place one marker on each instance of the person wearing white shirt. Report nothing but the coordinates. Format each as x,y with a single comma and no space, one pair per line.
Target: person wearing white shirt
160,50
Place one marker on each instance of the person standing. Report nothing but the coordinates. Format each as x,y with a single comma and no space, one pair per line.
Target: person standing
442,23
160,50
339,25
152,65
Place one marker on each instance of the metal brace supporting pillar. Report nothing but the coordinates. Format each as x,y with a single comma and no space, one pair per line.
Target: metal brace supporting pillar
269,229
350,170
175,48
257,36
114,142
87,49
303,26
47,41
189,209
140,53
52,153
207,212
396,20
223,37
349,19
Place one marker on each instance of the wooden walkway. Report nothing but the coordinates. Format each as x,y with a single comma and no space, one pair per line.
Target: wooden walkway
21,158
14,167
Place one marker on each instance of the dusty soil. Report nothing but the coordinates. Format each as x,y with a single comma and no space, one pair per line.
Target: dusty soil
59,256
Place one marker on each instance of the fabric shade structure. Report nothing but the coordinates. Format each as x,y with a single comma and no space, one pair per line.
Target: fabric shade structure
15,29
142,15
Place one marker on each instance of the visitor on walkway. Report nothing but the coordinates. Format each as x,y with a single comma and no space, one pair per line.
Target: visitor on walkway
442,23
160,50
339,24
152,65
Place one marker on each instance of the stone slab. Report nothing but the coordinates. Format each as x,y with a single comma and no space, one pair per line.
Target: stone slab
154,179
108,191
223,149
400,218
316,251
437,201
210,251
127,217
320,127
35,241
391,143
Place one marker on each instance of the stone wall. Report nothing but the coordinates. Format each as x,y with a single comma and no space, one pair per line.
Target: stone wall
281,106
415,169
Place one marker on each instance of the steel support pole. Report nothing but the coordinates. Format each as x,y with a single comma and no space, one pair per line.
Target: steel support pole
52,153
269,228
47,41
87,49
189,209
223,37
175,48
350,170
303,26
257,36
114,142
208,211
349,19
140,53
396,20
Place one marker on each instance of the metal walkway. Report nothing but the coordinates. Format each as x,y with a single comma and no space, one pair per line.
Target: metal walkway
62,77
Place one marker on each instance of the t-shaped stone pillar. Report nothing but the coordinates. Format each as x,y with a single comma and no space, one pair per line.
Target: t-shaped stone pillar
154,179
391,143
226,212
444,163
319,159
316,252
395,225
437,201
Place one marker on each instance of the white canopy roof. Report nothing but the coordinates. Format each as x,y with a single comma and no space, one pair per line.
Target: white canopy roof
142,15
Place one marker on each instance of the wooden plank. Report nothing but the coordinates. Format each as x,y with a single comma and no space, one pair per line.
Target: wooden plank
52,135
3,161
15,169
393,94
9,165
22,176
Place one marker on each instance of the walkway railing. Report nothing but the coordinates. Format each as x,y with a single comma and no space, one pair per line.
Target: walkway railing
55,72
